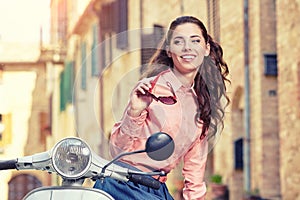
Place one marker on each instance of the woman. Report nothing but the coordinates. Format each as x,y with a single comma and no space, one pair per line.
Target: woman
180,94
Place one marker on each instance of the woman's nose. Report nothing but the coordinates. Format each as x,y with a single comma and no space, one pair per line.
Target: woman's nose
187,46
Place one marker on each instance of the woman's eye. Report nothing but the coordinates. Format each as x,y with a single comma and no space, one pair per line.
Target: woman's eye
196,41
178,42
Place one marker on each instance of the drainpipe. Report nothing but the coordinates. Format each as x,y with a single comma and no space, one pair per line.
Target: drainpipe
247,169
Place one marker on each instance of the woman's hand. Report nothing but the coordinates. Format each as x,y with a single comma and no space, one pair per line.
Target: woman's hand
139,99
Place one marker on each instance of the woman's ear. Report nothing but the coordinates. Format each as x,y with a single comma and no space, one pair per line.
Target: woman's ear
207,51
168,51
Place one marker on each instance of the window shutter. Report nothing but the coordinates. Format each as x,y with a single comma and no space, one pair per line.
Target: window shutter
66,84
150,43
214,18
95,53
122,23
83,66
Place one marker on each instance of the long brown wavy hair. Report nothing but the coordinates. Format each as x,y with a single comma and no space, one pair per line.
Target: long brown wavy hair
209,83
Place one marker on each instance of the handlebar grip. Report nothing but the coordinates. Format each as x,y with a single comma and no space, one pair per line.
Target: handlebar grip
145,180
8,164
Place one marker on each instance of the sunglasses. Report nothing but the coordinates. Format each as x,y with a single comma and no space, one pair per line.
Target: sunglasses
168,100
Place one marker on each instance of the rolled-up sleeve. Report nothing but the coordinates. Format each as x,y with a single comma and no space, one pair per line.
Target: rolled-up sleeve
126,133
132,125
193,171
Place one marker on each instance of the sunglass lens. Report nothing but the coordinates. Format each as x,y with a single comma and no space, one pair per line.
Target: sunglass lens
168,100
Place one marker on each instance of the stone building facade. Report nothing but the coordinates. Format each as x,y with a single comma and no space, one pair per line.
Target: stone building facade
273,97
288,30
259,39
24,112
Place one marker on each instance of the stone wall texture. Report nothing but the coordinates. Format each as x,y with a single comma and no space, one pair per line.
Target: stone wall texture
288,48
274,101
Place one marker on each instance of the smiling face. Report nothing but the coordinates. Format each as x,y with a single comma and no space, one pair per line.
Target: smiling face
187,48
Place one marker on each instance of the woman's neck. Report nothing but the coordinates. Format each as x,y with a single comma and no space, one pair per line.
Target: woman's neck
186,79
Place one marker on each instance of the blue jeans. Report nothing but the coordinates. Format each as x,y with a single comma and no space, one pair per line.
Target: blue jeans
121,190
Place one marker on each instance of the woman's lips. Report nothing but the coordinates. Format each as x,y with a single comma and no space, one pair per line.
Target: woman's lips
188,58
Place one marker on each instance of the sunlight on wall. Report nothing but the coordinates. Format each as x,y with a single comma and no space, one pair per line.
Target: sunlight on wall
16,98
21,20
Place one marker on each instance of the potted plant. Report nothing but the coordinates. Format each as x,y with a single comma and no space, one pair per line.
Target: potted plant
218,189
253,195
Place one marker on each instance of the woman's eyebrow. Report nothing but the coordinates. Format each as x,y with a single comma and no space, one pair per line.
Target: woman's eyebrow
178,37
193,36
182,37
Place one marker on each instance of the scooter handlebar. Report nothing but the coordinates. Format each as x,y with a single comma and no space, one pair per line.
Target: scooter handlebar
8,164
122,173
145,180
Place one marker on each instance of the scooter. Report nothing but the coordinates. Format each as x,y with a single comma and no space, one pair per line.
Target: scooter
74,161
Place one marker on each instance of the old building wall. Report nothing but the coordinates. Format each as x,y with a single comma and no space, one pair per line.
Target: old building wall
264,128
274,100
23,98
232,41
162,13
288,48
264,114
270,184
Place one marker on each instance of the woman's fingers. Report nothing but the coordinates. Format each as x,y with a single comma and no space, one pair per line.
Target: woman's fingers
139,100
143,87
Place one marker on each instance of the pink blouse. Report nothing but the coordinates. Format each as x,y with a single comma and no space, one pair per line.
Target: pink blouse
178,120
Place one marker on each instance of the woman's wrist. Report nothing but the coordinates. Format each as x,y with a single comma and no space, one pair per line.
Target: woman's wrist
134,112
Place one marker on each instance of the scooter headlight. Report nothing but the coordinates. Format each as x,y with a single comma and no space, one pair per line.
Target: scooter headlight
71,158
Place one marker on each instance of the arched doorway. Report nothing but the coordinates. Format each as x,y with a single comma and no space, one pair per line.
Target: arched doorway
21,184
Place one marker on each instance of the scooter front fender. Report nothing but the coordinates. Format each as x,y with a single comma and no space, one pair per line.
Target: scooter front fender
67,193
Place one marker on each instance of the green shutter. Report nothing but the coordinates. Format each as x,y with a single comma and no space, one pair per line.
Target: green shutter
66,85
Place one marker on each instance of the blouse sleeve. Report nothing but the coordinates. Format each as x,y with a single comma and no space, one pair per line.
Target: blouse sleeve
193,171
126,133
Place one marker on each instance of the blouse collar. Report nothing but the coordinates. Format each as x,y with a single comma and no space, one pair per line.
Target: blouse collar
175,82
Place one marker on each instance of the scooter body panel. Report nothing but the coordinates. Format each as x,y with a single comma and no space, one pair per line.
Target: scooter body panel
67,193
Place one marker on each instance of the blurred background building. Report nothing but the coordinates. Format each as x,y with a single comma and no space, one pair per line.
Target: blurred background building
78,84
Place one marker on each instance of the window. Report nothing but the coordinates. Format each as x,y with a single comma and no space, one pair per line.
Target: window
270,64
214,18
122,24
62,22
103,55
114,19
150,43
20,185
95,52
238,154
66,84
5,130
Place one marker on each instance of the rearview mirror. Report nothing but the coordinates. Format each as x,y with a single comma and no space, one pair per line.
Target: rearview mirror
160,146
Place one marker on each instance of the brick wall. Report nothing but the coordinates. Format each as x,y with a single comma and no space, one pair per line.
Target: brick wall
288,47
274,101
231,39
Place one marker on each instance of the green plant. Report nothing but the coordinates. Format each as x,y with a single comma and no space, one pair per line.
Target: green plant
216,178
253,193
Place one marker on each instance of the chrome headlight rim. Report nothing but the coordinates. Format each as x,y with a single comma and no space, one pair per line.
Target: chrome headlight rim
62,173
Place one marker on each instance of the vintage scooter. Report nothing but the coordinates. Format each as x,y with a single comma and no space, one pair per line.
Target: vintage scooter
74,161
